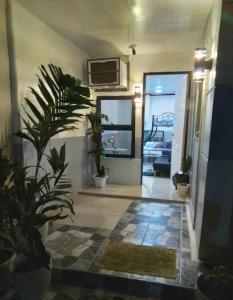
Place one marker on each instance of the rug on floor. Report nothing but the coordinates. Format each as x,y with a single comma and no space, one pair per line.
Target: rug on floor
139,259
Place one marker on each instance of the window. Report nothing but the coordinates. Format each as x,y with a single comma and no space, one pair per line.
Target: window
118,136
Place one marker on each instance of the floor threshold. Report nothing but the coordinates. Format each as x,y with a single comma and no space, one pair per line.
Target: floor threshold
121,196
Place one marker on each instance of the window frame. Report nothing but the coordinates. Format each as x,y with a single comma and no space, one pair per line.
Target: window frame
130,127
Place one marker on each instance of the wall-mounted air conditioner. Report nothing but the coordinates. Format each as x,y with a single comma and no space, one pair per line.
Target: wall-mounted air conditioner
107,73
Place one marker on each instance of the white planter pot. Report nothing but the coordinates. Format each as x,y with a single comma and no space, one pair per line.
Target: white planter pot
32,285
182,189
99,181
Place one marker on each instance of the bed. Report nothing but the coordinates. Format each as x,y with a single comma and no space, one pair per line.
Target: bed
159,123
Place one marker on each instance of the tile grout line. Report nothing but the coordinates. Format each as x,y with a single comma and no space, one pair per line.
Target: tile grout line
108,235
181,241
146,229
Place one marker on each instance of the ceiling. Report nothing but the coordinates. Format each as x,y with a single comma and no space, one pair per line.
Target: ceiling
164,84
108,27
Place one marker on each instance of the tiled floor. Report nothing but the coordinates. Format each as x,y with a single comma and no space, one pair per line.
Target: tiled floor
144,222
153,188
160,188
98,212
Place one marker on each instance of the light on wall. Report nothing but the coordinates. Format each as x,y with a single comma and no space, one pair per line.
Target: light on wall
200,53
201,64
138,94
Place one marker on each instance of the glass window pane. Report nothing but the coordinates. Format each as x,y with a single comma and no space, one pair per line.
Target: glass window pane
119,112
117,142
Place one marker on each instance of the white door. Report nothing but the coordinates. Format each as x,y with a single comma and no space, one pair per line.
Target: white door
179,125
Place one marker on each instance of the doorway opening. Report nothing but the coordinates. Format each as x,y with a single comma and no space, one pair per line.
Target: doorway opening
164,130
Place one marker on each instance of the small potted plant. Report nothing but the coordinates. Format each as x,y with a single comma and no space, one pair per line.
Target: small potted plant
31,196
100,177
181,179
216,283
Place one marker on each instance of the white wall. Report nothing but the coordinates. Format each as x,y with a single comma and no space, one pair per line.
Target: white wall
179,125
34,43
37,44
139,64
159,63
5,95
157,106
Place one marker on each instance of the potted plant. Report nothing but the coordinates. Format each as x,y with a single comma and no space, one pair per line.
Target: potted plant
100,177
32,196
181,178
5,272
7,255
216,283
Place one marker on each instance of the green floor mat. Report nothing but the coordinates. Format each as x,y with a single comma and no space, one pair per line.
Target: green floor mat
138,259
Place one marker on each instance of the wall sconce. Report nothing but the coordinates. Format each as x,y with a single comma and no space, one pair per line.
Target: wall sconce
201,64
138,94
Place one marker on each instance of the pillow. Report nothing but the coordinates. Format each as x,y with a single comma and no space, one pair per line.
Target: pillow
167,145
160,145
150,144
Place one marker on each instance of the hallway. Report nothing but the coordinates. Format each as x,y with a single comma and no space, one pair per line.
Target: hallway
78,247
156,188
89,148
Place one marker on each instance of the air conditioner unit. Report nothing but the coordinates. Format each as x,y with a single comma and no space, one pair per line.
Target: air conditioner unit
107,73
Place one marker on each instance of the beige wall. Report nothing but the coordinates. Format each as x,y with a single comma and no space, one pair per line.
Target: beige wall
5,96
211,35
34,43
128,171
159,63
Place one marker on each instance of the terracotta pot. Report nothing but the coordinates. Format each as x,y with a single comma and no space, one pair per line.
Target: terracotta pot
32,285
7,257
199,294
204,293
100,181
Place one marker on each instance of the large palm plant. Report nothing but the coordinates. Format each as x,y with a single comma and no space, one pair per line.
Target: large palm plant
30,196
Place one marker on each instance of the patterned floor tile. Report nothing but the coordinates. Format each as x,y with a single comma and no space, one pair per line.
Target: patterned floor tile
81,264
159,220
144,222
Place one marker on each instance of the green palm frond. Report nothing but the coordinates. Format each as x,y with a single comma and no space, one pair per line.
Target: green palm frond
55,109
28,201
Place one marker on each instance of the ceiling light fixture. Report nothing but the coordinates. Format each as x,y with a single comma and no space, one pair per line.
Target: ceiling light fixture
133,48
200,53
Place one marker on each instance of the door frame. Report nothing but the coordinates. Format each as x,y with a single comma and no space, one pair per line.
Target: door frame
186,110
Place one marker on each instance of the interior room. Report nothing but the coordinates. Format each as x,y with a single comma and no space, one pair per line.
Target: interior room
165,113
116,149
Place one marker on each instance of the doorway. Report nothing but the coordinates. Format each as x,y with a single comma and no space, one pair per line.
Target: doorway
163,129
